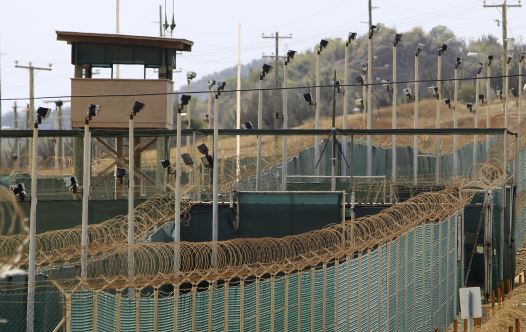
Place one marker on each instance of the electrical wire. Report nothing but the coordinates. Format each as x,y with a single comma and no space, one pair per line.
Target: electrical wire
263,89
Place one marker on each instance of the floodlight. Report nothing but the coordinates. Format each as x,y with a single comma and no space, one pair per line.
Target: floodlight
374,28
249,125
360,79
470,107
137,107
514,92
93,110
165,163
19,190
386,84
211,84
499,93
187,159
208,161
442,49
458,62
407,92
338,86
482,98
358,102
323,43
207,120
42,114
398,38
203,149
221,86
265,70
419,48
308,98
120,173
364,68
71,183
279,116
447,101
59,103
351,36
185,99
509,58
190,75
290,56
523,56
434,91
479,68
490,59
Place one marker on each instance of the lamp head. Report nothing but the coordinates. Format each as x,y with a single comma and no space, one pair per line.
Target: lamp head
42,114
469,106
323,44
360,79
351,36
398,38
120,173
290,55
165,163
93,110
19,190
185,99
190,75
203,149
308,98
137,107
249,125
442,49
211,84
458,62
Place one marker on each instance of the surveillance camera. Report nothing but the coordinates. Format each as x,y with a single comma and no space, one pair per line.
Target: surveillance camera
469,106
419,48
19,190
211,83
190,75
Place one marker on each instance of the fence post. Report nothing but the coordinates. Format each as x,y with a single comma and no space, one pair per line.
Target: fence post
210,300
312,299
324,297
175,311
226,287
286,303
118,298
138,311
241,304
336,293
387,285
194,300
94,310
68,311
257,303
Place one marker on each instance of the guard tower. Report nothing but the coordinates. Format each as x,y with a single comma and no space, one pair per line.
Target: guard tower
92,50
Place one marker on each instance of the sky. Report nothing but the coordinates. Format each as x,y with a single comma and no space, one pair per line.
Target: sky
27,30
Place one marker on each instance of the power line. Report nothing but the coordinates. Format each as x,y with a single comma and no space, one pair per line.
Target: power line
264,89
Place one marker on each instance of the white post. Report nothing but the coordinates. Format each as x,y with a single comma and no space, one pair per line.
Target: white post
438,118
370,103
259,126
215,181
238,105
415,119
317,113
476,120
284,153
85,201
488,102
519,103
131,198
394,115
117,31
177,214
345,106
30,314
455,121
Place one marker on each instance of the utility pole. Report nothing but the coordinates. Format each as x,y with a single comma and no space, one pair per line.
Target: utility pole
30,114
369,108
276,57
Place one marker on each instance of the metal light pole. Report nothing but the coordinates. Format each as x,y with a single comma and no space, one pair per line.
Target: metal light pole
476,115
86,184
369,106
419,49
458,63
42,113
520,87
488,98
319,49
352,36
264,71
438,123
215,180
137,107
398,37
190,141
285,149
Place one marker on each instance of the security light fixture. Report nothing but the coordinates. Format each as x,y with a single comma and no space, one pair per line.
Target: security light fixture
290,56
203,149
470,107
221,86
360,79
187,159
373,30
93,110
523,57
479,68
208,161
419,48
165,163
308,98
265,70
407,92
338,86
386,84
514,92
42,114
323,44
211,84
19,190
190,75
137,107
120,173
351,36
482,98
509,59
185,99
458,62
398,38
434,91
364,68
442,49
490,59
249,125
499,93
71,183
279,116
447,101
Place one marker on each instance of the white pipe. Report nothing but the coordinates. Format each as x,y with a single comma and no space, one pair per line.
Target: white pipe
85,202
259,126
415,119
476,120
284,152
30,314
519,103
317,113
345,106
215,182
455,122
131,198
394,116
488,102
238,105
177,215
438,119
370,103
